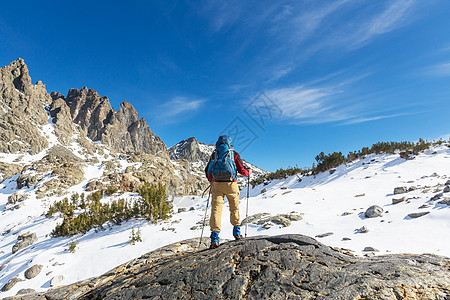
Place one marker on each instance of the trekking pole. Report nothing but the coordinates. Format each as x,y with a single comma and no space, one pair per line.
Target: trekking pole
204,219
203,194
246,213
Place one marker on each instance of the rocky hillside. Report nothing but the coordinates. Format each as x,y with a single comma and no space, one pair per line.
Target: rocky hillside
276,267
26,106
375,207
50,139
58,136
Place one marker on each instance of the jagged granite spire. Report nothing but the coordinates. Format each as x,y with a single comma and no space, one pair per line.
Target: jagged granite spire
22,109
122,130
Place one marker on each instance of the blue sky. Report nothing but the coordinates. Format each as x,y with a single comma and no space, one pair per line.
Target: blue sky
288,78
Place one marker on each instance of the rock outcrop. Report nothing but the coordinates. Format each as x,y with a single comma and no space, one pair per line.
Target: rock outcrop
374,211
190,150
22,110
80,121
277,267
24,107
23,241
122,130
7,170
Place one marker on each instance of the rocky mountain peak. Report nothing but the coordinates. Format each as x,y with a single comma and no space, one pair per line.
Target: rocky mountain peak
89,110
126,114
121,130
189,150
23,109
21,77
57,95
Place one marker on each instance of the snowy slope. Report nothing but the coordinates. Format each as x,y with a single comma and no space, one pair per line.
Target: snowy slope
322,201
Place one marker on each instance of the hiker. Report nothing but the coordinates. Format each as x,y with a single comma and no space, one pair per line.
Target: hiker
221,172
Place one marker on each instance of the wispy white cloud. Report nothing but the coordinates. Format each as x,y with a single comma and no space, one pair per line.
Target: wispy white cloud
394,16
440,70
358,120
178,109
299,30
222,15
332,101
300,103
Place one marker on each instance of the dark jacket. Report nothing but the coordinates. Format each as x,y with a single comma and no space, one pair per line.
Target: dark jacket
240,166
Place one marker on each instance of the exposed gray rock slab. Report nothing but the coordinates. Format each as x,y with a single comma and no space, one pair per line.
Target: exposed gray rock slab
25,291
10,284
398,200
400,190
324,234
363,229
23,241
418,214
446,201
436,197
267,220
277,267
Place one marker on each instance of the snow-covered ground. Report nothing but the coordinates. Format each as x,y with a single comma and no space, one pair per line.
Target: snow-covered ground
322,201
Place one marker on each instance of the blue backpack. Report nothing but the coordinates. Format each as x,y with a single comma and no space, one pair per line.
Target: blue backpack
222,167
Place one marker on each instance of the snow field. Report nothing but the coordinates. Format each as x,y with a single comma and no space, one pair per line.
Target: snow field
322,200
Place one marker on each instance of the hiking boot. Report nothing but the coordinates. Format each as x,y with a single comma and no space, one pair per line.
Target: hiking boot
237,232
214,245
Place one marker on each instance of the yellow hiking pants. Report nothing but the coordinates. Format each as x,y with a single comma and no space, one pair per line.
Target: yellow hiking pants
231,191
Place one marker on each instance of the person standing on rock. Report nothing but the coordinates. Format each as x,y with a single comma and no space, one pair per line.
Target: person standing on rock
221,171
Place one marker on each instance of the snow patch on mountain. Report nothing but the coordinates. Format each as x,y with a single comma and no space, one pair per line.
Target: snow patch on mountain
332,208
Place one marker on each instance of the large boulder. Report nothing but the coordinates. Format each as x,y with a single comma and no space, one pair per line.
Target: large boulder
418,214
23,241
17,197
33,271
374,211
275,267
400,190
56,280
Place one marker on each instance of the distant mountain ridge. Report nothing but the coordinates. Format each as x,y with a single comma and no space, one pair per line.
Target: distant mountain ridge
33,122
121,130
